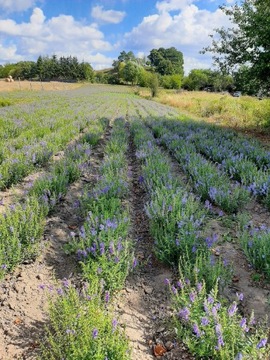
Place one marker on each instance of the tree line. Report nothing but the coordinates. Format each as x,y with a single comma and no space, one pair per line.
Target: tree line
49,68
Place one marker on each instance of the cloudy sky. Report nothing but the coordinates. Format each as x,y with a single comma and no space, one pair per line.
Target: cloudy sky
97,31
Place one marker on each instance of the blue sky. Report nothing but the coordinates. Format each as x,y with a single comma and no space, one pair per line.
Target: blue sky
97,31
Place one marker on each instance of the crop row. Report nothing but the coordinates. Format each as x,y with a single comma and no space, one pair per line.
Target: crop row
244,160
210,183
210,326
81,324
51,131
22,225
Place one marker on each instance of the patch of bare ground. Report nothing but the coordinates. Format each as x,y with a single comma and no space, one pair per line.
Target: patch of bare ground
143,306
23,294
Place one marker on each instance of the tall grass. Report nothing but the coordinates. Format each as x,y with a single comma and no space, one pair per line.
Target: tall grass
243,113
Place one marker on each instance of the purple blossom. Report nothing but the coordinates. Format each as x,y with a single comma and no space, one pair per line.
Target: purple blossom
174,290
102,248
184,314
114,324
60,291
199,287
192,296
262,343
167,281
107,297
179,284
65,283
196,330
232,309
204,321
135,263
70,332
4,267
95,334
240,296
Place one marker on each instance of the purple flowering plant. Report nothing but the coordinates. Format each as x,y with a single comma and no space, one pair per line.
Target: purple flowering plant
212,328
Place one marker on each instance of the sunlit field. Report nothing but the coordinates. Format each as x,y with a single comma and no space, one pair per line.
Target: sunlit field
106,196
244,112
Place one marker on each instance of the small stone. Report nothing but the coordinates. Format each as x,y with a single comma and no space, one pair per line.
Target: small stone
169,345
148,290
39,277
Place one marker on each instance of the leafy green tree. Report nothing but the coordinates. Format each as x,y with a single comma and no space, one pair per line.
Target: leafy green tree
130,72
167,61
126,57
196,80
247,42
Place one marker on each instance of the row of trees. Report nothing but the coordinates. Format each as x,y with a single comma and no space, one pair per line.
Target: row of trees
49,68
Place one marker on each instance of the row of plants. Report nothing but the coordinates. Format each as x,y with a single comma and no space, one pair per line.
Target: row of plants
244,160
21,226
209,325
34,148
254,241
209,182
82,326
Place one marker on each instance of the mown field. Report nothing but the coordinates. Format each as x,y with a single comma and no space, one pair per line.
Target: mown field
128,231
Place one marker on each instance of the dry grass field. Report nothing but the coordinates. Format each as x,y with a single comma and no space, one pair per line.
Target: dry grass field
36,85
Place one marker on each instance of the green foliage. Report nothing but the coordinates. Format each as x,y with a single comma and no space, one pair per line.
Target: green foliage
167,61
20,230
246,43
130,72
81,328
200,79
49,68
212,329
171,81
255,243
153,84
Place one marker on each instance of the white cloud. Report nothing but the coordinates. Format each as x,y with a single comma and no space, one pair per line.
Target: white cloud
172,5
188,30
59,35
16,5
107,16
9,54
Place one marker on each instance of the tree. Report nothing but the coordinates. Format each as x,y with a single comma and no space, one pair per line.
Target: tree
130,72
167,61
246,43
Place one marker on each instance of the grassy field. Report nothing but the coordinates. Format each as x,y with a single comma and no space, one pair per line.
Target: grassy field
222,109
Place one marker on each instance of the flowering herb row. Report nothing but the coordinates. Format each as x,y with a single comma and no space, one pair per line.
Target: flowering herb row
105,254
254,241
234,154
210,183
35,146
204,321
177,218
22,225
